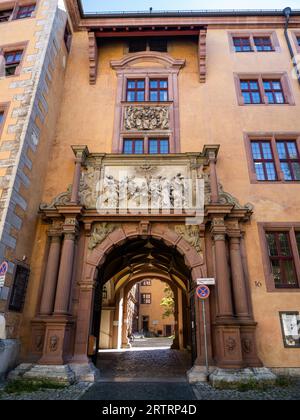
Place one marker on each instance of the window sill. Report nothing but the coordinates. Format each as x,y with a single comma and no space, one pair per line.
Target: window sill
147,103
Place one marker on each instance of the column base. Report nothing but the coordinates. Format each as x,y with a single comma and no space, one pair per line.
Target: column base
231,378
63,374
198,374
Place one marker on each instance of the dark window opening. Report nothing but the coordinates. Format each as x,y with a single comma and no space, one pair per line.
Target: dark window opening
281,260
68,37
5,15
1,117
18,293
263,161
289,160
12,61
143,44
298,40
145,298
25,11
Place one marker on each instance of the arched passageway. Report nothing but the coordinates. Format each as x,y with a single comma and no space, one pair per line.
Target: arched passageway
117,304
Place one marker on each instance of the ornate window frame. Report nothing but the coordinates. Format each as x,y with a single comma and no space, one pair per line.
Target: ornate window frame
272,138
14,47
251,35
291,228
162,66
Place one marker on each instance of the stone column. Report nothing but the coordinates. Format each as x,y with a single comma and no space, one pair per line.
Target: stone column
66,267
225,307
80,152
213,178
120,318
48,295
238,278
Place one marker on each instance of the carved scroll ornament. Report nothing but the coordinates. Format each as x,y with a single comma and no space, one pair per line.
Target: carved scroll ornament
191,234
100,232
146,118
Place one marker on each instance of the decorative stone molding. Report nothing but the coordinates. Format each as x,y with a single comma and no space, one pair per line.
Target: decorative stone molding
100,232
202,55
146,118
62,199
93,57
191,234
151,56
227,198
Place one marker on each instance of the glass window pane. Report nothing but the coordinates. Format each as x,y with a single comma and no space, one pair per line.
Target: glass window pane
296,169
1,117
18,56
270,97
153,146
298,241
290,274
279,98
256,98
259,169
276,85
292,149
9,58
255,150
244,85
272,244
267,152
141,84
140,96
154,96
164,146
284,244
131,84
163,96
267,85
138,147
281,150
153,84
163,84
127,146
276,271
254,85
271,172
286,171
247,98
130,96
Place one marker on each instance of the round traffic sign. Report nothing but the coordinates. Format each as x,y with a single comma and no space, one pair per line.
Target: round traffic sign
3,268
202,292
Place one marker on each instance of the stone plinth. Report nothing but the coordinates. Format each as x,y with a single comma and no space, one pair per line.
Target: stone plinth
229,378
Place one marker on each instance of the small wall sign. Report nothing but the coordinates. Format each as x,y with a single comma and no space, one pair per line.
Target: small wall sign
290,326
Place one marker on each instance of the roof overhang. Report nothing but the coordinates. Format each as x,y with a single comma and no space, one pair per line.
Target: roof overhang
176,23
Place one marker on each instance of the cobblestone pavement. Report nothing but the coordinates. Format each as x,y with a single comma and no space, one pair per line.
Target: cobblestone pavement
73,392
146,364
206,392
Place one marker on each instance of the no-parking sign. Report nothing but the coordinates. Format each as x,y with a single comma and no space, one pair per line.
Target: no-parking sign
203,292
3,271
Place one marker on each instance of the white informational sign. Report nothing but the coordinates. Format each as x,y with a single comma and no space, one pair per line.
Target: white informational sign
206,282
2,281
290,325
154,322
3,271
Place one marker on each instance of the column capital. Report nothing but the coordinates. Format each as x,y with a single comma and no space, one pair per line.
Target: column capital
218,228
81,152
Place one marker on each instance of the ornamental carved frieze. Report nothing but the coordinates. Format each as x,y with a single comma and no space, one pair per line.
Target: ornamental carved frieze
191,234
100,232
146,118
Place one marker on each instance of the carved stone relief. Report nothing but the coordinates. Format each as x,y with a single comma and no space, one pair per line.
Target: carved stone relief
191,234
100,232
146,118
53,343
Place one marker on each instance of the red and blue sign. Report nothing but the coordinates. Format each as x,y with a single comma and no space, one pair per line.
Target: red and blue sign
203,292
3,268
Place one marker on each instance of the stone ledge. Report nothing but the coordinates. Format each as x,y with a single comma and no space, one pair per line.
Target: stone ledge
229,378
198,374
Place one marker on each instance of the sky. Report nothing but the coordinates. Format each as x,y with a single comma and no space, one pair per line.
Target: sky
139,5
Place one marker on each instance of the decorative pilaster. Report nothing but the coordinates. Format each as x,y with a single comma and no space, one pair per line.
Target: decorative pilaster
48,295
213,178
93,57
80,152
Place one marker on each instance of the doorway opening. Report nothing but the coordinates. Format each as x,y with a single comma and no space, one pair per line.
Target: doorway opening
142,318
